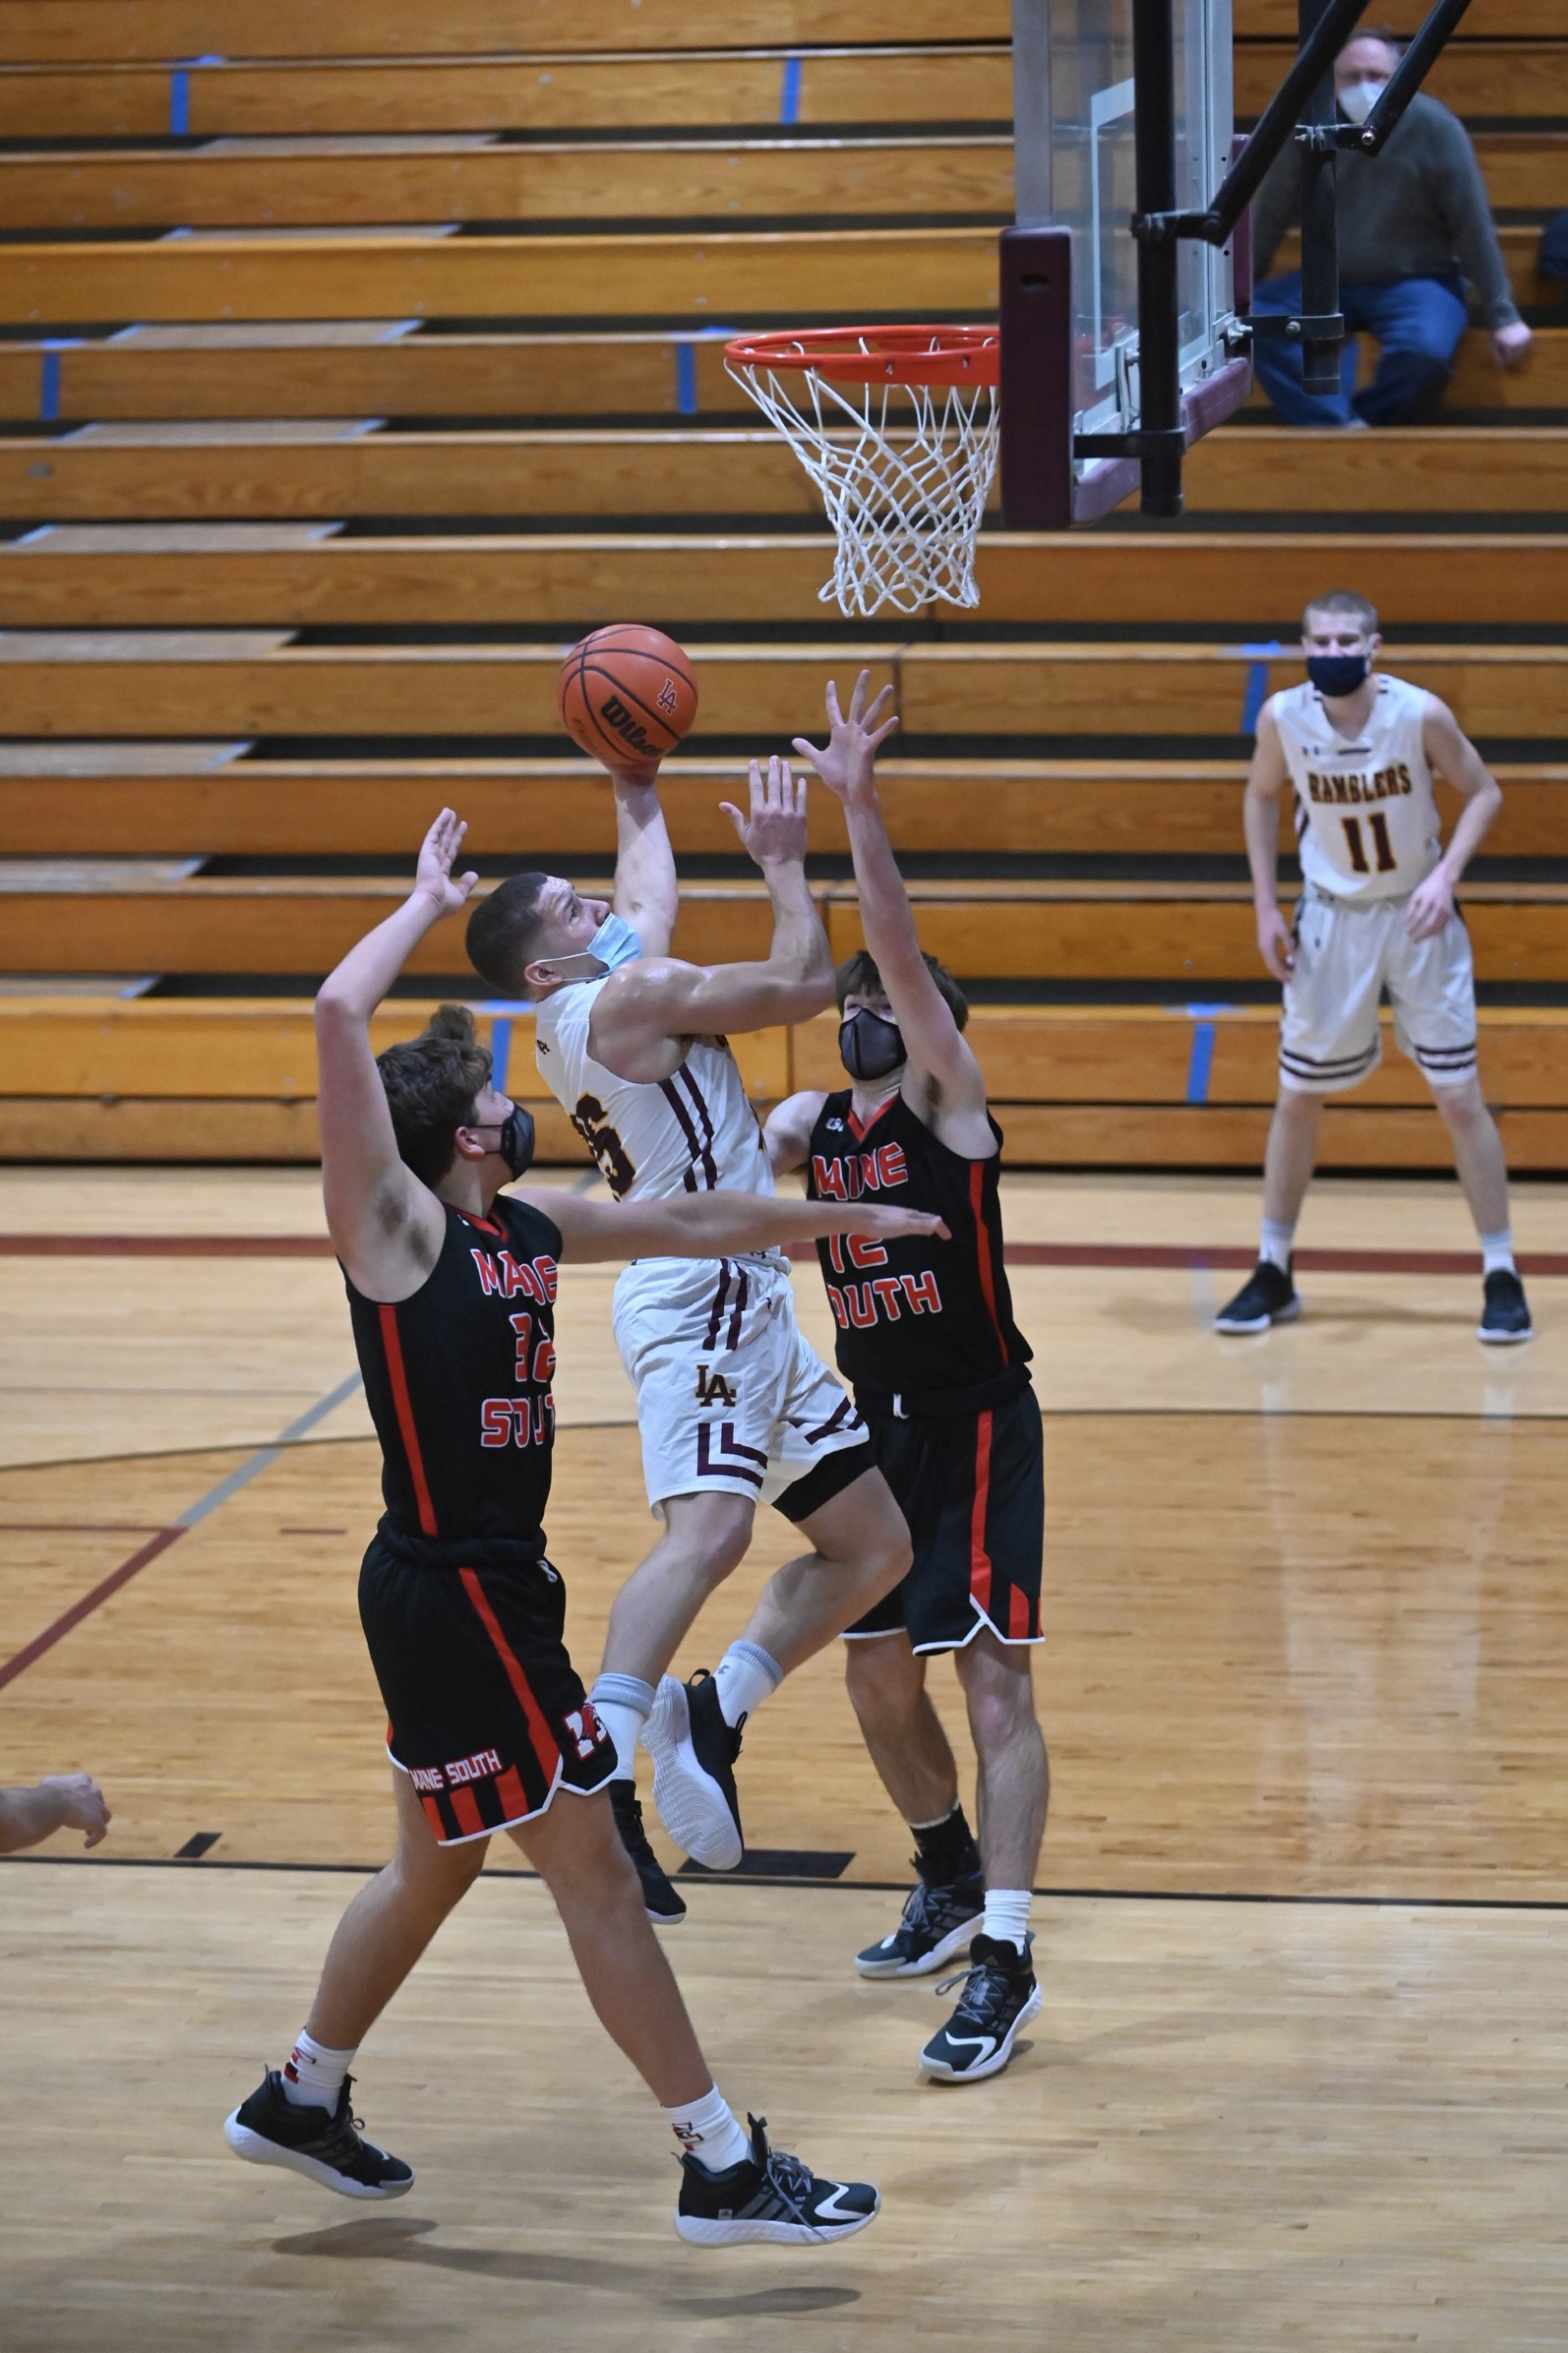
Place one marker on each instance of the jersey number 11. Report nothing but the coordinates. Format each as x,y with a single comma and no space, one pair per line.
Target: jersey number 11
1380,843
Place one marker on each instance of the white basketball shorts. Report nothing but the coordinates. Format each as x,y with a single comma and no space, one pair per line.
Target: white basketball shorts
731,1399
1348,951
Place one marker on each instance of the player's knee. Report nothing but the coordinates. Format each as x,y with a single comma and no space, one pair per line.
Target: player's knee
882,1679
999,1692
714,1539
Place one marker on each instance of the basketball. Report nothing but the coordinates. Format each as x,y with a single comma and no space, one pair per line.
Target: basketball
627,694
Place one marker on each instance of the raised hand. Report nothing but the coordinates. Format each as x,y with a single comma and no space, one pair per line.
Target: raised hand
885,1224
80,1803
437,855
775,830
845,766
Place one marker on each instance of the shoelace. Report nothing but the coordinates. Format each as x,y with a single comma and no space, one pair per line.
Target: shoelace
977,1999
790,2176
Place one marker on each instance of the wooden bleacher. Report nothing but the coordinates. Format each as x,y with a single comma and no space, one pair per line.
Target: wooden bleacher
339,395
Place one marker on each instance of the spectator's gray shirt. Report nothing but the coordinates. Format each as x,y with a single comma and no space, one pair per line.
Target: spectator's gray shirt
1419,209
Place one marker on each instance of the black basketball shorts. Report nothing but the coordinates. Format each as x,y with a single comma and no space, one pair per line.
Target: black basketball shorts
484,1711
973,1489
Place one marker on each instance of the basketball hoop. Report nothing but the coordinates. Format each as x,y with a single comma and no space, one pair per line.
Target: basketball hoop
897,426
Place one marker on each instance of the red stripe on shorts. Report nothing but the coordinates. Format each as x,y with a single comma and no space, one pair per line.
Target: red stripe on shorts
509,1788
465,1806
545,1746
433,1817
392,1344
1018,1626
979,1557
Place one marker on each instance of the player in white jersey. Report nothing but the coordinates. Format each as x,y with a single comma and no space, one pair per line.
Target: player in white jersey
1376,912
733,1405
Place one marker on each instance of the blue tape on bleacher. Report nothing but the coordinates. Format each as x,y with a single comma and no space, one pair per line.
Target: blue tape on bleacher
179,103
1200,1062
685,380
1256,693
789,101
499,1052
49,386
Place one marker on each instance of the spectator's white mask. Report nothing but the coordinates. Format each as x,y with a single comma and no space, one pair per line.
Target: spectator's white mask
1360,97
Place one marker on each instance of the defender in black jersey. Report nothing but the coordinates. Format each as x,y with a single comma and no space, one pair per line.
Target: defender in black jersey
451,1291
940,1372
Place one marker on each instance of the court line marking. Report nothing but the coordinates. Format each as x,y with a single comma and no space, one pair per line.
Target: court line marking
192,1516
1180,1256
847,1887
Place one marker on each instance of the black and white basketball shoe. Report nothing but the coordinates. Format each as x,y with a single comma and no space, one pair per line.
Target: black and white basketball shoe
1000,1995
1267,1297
693,1752
768,2195
269,2128
1505,1318
937,1922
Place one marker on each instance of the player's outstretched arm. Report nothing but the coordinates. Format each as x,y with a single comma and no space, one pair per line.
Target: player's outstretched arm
646,892
1266,780
646,1012
787,1132
60,1801
1452,754
383,1223
939,1051
711,1224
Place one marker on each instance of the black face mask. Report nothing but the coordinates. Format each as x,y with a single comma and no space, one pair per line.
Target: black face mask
1337,673
517,1142
869,1047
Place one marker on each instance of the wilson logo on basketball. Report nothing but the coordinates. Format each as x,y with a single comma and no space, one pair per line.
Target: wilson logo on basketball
613,714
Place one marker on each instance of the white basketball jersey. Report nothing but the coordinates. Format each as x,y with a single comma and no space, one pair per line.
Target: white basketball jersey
693,1132
1366,821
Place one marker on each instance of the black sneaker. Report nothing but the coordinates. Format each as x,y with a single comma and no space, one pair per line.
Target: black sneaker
936,1922
660,1902
768,2195
693,1752
1266,1297
1505,1318
270,2130
1000,1995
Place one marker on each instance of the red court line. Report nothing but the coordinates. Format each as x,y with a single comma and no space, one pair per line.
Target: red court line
83,1609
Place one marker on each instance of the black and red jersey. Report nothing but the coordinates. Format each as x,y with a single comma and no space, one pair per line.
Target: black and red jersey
916,1315
458,1379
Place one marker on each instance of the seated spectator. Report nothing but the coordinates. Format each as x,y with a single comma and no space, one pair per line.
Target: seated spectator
1414,226
60,1801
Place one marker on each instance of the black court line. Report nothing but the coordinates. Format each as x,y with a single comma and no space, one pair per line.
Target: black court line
871,1887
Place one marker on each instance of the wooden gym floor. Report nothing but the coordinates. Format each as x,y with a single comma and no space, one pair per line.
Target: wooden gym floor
1300,2075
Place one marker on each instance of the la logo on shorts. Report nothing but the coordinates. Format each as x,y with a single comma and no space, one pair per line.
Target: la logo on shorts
712,1389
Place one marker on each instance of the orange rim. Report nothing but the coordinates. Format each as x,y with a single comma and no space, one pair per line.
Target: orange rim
871,355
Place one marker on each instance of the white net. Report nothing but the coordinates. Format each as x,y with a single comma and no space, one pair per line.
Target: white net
904,471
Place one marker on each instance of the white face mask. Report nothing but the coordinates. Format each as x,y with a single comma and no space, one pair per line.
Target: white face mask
1360,98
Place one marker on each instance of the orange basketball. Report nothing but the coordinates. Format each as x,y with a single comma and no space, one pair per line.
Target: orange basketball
627,695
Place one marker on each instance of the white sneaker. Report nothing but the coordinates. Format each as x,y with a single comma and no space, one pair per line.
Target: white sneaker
693,1751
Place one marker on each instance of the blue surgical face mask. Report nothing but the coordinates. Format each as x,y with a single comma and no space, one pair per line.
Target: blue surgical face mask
613,945
1337,673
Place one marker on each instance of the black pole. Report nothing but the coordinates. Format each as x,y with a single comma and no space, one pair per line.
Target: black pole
1159,320
1274,125
1320,245
1409,74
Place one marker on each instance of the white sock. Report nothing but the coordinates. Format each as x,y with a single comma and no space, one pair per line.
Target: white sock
1276,1245
312,2076
1007,1915
623,1703
1497,1250
745,1676
709,2132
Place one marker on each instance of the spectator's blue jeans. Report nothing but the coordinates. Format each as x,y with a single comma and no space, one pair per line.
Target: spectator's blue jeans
1418,323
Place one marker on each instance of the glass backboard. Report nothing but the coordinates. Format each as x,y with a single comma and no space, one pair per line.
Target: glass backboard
1073,79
